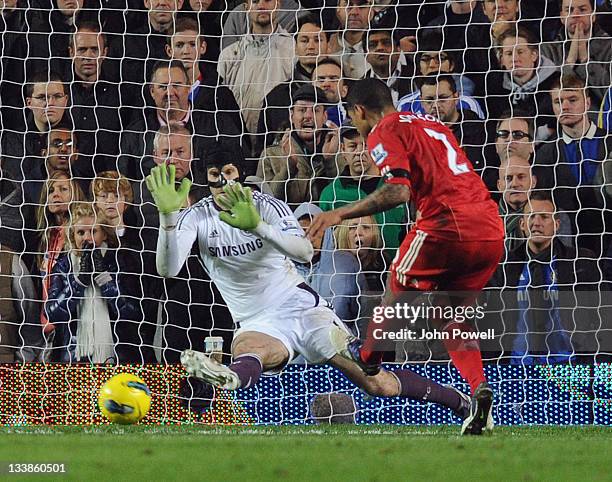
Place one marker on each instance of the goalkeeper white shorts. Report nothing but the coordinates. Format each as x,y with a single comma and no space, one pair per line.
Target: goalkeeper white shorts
302,323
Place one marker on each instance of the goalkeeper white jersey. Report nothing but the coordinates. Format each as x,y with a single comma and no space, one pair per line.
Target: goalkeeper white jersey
251,274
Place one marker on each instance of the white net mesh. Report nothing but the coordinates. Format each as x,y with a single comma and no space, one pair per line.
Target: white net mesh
87,89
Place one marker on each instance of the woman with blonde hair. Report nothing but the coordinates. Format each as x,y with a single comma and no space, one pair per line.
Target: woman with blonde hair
361,237
87,300
52,216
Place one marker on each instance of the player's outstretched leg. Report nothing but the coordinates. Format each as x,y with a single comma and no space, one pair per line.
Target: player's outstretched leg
404,383
201,366
253,353
476,412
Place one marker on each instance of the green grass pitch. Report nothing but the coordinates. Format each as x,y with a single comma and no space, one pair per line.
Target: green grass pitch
312,453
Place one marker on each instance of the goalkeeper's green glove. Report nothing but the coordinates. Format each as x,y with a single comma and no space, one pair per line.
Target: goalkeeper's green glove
238,201
161,184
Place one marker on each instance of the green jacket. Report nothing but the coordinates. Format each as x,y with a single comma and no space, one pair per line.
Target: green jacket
344,190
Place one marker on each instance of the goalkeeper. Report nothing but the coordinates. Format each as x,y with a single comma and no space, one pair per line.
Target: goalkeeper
247,241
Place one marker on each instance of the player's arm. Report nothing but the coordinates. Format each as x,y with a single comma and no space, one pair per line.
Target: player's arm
242,213
390,155
383,199
176,234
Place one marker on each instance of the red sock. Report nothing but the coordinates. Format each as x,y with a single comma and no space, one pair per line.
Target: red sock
370,351
465,355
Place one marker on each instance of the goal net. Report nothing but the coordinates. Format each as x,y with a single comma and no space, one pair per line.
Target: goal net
95,94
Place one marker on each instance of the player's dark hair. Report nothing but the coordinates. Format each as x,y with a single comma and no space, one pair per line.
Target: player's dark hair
43,77
435,79
372,94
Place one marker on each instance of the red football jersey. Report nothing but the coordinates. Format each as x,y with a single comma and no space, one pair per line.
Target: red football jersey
421,152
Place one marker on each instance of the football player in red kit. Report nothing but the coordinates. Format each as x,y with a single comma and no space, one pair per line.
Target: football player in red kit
457,241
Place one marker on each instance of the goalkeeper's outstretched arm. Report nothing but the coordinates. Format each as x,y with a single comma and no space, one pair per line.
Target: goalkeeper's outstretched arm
242,213
295,247
173,244
176,234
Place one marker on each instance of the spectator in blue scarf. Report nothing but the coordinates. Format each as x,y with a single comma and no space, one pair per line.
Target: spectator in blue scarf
577,165
536,278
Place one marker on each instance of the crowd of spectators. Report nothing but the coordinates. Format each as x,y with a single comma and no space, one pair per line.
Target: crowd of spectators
94,94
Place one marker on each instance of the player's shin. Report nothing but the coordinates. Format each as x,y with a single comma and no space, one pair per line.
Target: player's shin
413,385
248,367
465,354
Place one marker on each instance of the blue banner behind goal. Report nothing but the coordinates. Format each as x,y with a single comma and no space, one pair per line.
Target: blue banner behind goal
33,394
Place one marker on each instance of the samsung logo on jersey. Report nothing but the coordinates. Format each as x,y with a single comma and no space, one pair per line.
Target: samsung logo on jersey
245,248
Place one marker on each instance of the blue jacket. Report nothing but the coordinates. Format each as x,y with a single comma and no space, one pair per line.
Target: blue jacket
64,301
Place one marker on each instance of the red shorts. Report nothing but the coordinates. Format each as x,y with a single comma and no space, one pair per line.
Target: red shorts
425,263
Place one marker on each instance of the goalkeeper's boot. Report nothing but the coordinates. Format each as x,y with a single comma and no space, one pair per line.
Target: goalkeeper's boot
481,412
201,366
349,347
463,411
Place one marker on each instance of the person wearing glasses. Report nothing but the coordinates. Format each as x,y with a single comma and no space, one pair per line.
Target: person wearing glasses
434,58
60,154
514,134
46,106
439,97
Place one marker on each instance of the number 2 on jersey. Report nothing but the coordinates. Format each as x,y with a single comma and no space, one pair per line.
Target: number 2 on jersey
451,153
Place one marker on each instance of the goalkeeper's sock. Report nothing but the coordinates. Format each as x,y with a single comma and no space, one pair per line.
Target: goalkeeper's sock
248,367
465,355
413,385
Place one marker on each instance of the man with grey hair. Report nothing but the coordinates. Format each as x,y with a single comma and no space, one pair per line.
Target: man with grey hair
516,182
172,145
190,307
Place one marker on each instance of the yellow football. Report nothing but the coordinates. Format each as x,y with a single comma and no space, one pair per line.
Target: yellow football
124,399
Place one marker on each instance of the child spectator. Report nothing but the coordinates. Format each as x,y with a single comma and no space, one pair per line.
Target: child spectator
112,194
113,200
87,301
